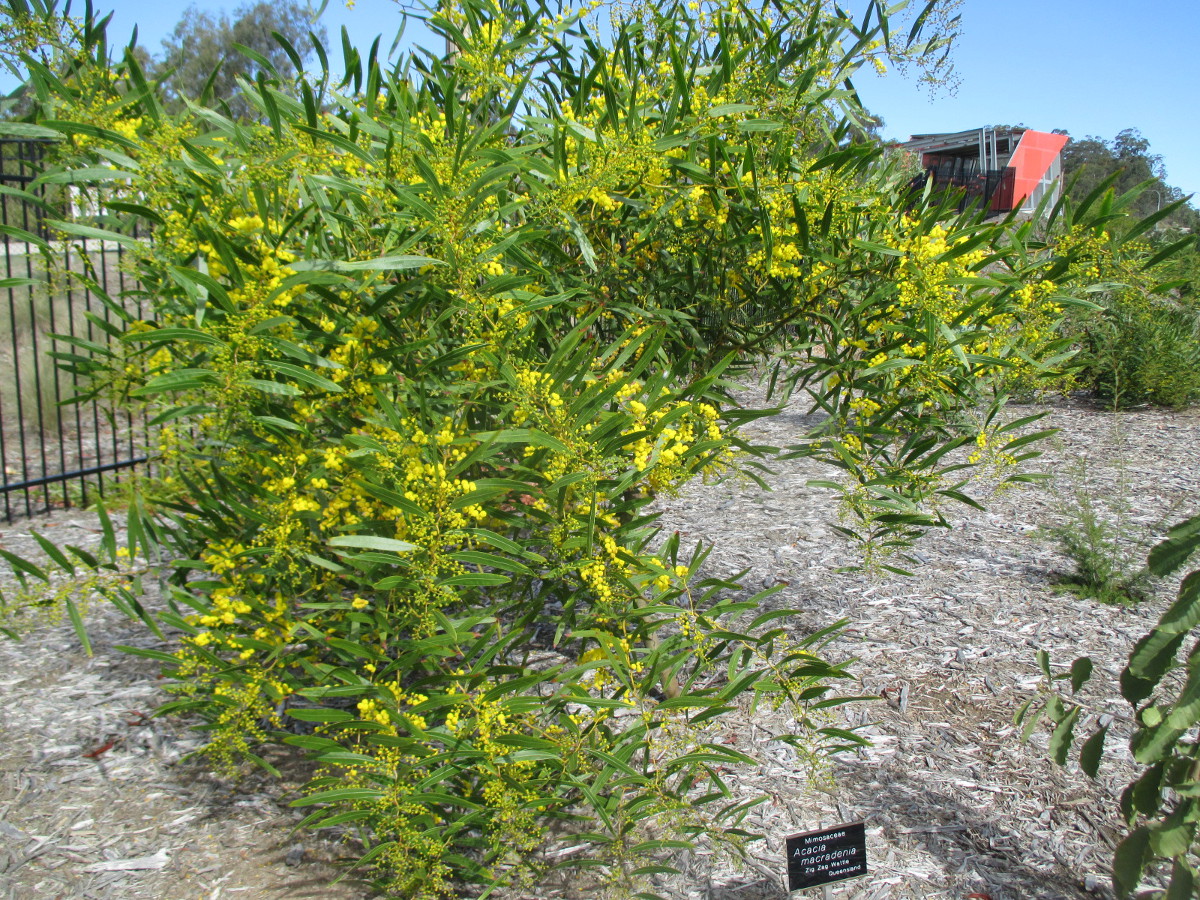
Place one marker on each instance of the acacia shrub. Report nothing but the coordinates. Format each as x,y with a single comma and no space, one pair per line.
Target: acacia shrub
1139,341
428,338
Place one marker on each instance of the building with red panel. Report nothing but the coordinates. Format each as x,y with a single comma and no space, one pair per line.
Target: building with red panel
999,167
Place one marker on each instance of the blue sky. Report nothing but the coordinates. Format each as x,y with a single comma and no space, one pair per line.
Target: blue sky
1092,67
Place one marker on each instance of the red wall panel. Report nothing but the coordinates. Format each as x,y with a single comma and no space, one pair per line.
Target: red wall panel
1032,158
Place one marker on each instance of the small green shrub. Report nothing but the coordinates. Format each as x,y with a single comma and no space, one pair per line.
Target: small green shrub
1095,547
1139,341
1141,351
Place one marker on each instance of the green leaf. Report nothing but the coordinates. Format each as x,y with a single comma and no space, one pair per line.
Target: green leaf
54,553
1043,661
28,131
24,566
1031,721
1130,861
341,795
1184,614
759,125
320,715
614,762
284,424
303,375
1092,751
77,623
89,130
6,283
1022,441
180,380
1171,839
108,540
585,246
392,498
525,436
1081,671
1151,220
1062,737
24,236
87,231
383,263
372,542
491,560
476,579
729,109
1153,655
86,175
1186,711
883,250
1183,880
1146,792
194,335
268,387
345,756
1180,543
159,655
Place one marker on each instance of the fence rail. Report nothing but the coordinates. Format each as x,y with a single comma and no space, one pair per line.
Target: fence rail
57,451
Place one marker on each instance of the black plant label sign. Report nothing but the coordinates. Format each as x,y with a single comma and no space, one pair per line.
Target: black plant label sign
822,857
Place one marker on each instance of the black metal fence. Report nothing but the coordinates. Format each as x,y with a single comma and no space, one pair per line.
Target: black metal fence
56,452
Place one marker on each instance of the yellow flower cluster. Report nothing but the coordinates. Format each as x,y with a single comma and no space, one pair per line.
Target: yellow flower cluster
672,430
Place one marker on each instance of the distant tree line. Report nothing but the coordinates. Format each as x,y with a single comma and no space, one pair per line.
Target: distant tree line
206,54
200,58
1090,160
